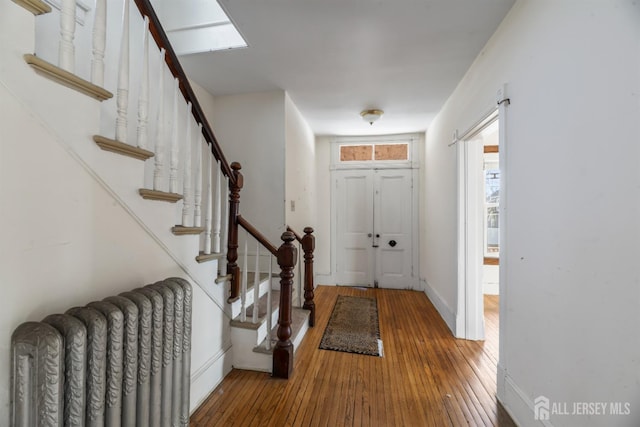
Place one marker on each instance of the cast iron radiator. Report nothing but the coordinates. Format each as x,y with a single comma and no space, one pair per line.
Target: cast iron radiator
122,361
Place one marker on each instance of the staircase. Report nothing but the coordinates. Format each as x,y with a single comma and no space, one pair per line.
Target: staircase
140,131
254,340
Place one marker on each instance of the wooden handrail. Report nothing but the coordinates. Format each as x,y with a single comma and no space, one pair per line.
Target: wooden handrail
297,236
159,35
257,235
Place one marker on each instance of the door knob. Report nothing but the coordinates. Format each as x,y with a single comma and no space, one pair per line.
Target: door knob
392,243
377,236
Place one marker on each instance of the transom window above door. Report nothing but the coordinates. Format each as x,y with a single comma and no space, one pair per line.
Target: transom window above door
375,151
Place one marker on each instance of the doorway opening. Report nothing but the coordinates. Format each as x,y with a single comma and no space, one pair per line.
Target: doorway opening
479,230
374,212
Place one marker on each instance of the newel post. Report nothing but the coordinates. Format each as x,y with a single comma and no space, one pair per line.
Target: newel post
235,185
308,245
283,351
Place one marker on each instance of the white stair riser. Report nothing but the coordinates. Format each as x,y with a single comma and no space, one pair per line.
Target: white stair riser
245,358
237,305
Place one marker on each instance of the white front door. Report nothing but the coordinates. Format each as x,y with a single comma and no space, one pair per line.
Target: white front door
374,239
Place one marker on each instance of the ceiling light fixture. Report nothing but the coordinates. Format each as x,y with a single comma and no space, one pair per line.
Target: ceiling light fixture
371,116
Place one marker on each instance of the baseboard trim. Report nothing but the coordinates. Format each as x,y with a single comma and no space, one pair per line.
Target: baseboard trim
325,279
445,312
209,376
516,402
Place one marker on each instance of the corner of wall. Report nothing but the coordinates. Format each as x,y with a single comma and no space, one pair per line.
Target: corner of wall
516,402
443,309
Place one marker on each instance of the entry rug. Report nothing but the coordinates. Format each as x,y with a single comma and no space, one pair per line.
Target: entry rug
353,327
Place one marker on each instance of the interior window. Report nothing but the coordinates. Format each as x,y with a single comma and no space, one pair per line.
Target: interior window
374,152
491,203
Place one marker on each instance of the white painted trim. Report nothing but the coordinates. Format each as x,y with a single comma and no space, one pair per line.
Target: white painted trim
415,226
491,288
213,359
333,221
439,303
517,403
461,313
209,376
474,240
470,306
504,228
412,163
325,279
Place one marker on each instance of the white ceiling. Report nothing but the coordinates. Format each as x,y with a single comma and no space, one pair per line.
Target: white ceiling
337,57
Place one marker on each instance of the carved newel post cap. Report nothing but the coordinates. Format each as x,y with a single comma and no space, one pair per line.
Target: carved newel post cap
308,230
288,236
237,176
287,253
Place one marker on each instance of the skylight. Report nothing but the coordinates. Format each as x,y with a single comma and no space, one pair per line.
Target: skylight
196,26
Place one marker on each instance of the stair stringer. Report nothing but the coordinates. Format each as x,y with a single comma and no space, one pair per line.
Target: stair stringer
72,119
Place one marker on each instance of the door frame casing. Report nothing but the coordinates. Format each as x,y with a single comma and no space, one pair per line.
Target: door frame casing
413,163
470,316
470,305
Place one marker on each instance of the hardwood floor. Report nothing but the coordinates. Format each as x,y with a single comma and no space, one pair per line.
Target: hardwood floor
426,377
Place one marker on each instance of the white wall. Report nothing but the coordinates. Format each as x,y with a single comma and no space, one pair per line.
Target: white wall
322,254
251,130
75,229
490,279
300,176
569,280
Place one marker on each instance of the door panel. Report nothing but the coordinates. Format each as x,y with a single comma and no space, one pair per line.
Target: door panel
392,222
354,222
373,217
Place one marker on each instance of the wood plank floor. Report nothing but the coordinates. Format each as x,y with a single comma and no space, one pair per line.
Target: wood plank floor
426,377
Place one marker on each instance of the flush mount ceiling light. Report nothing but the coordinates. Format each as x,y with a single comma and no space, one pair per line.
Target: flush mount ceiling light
371,116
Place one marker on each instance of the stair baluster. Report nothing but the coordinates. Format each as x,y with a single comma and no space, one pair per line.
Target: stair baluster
66,49
197,209
143,97
99,41
173,161
243,294
122,97
269,306
224,217
158,172
217,199
207,218
187,218
256,284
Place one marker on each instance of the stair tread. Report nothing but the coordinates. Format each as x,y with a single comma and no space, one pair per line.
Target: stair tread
299,317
